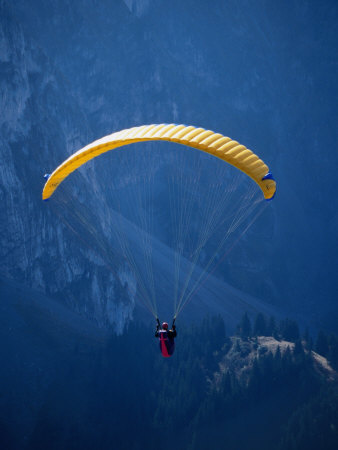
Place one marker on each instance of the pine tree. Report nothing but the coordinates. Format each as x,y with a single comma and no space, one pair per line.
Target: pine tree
298,348
260,327
272,328
333,351
308,340
322,345
245,327
289,330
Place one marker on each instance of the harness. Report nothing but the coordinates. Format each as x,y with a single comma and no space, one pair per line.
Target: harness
166,345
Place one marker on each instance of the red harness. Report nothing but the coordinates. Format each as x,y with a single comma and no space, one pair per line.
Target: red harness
164,340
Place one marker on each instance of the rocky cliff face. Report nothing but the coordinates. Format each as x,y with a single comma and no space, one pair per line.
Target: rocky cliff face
41,123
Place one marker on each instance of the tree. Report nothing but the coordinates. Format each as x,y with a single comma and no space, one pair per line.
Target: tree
289,330
322,345
298,348
272,328
245,327
333,351
260,327
308,340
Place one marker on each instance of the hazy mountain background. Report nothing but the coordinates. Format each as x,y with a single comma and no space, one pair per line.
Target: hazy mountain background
263,73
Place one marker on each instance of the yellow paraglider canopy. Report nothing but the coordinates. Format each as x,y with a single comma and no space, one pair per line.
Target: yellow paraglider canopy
213,143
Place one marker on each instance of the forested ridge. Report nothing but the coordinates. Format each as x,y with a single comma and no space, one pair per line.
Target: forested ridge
266,387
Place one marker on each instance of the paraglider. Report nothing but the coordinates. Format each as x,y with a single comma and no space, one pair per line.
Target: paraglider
213,143
166,338
223,215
